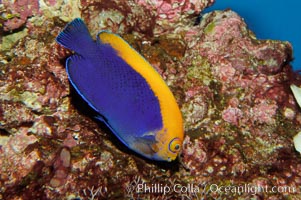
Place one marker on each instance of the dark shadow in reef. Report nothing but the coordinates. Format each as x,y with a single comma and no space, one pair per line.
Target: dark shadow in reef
198,19
83,108
9,32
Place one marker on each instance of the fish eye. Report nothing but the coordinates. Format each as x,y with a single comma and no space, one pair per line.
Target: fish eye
175,145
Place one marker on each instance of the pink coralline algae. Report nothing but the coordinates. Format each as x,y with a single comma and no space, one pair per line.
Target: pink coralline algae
143,17
264,112
15,162
174,10
61,168
233,89
21,9
232,115
197,150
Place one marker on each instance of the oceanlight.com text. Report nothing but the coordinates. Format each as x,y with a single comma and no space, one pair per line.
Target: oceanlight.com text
251,189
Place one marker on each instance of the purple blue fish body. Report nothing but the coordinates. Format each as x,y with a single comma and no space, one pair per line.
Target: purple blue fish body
115,81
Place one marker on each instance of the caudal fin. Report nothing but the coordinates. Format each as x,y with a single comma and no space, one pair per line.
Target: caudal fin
75,36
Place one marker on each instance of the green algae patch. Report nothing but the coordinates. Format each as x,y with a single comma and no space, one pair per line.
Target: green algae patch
29,99
10,40
200,70
209,28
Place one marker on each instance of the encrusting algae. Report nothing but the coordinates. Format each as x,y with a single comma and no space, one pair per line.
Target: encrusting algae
233,91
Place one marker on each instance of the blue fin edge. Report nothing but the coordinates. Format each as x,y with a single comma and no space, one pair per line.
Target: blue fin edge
74,57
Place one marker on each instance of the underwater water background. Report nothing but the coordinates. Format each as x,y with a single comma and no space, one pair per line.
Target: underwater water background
270,19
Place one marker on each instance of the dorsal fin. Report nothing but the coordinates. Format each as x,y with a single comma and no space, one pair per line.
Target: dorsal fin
76,37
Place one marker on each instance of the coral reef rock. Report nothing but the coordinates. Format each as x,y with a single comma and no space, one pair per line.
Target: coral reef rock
233,90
